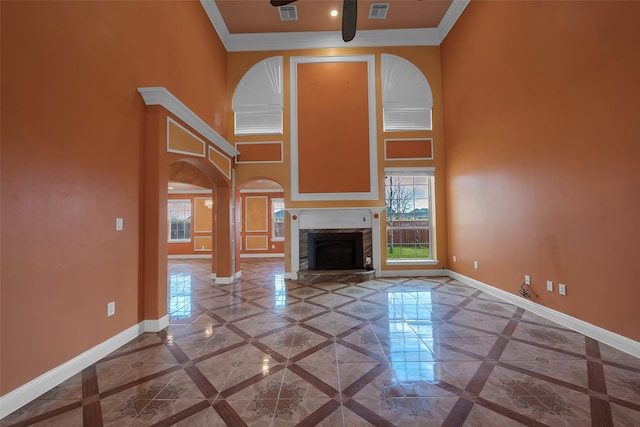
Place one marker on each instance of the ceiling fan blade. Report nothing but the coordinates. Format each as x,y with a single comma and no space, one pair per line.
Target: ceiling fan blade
278,3
349,19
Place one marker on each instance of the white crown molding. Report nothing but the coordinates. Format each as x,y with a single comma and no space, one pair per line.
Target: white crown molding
220,26
610,338
162,97
24,394
451,17
326,39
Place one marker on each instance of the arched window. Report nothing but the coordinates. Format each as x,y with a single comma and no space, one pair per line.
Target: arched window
406,96
257,101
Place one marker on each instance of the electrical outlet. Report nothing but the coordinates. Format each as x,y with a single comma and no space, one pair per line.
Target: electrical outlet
367,260
454,258
549,286
111,308
527,279
119,224
475,264
562,289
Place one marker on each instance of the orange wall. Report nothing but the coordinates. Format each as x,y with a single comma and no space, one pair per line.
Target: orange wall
73,129
200,216
257,217
542,152
333,127
427,59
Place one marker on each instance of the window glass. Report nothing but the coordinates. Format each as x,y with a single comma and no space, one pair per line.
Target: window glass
409,220
277,213
179,218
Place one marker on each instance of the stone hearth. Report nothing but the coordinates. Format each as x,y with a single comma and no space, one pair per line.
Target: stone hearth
321,276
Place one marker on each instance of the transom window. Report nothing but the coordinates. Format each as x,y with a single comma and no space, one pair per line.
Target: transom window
179,220
258,100
410,214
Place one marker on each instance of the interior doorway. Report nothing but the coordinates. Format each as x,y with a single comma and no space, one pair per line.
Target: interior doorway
261,223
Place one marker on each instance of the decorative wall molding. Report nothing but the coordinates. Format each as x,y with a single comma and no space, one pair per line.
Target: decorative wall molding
372,194
162,97
248,227
408,140
611,338
332,39
170,122
257,143
256,243
24,394
224,169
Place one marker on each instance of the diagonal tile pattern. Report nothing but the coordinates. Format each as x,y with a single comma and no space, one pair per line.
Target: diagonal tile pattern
265,351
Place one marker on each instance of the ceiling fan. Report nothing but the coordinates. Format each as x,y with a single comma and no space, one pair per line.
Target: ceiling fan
349,16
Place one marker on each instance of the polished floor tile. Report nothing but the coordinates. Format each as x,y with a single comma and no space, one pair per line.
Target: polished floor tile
265,351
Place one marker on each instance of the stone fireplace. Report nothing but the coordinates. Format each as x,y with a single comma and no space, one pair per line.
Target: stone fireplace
351,236
334,249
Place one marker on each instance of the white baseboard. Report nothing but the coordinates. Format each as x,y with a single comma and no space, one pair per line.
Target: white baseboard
291,276
614,340
273,255
190,256
155,325
226,280
411,273
24,394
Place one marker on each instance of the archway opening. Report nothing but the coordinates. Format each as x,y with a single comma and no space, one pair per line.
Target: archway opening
261,219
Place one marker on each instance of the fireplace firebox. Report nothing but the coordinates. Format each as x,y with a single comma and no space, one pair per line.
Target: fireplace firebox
335,251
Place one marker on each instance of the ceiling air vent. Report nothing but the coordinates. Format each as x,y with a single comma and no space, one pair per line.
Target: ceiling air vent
378,11
288,13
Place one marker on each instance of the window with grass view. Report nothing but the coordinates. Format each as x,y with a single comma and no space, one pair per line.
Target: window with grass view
179,217
277,213
409,204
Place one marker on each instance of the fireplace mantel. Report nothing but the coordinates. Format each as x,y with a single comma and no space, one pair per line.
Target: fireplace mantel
333,218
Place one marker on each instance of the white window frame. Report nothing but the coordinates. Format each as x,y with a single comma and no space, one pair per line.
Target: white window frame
258,99
407,99
430,173
169,220
273,237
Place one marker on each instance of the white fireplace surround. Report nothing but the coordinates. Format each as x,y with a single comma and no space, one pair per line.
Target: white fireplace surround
333,218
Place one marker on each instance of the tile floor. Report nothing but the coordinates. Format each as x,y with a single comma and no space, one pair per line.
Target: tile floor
407,352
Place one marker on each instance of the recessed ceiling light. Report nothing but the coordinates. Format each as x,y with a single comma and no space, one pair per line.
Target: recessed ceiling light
334,12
